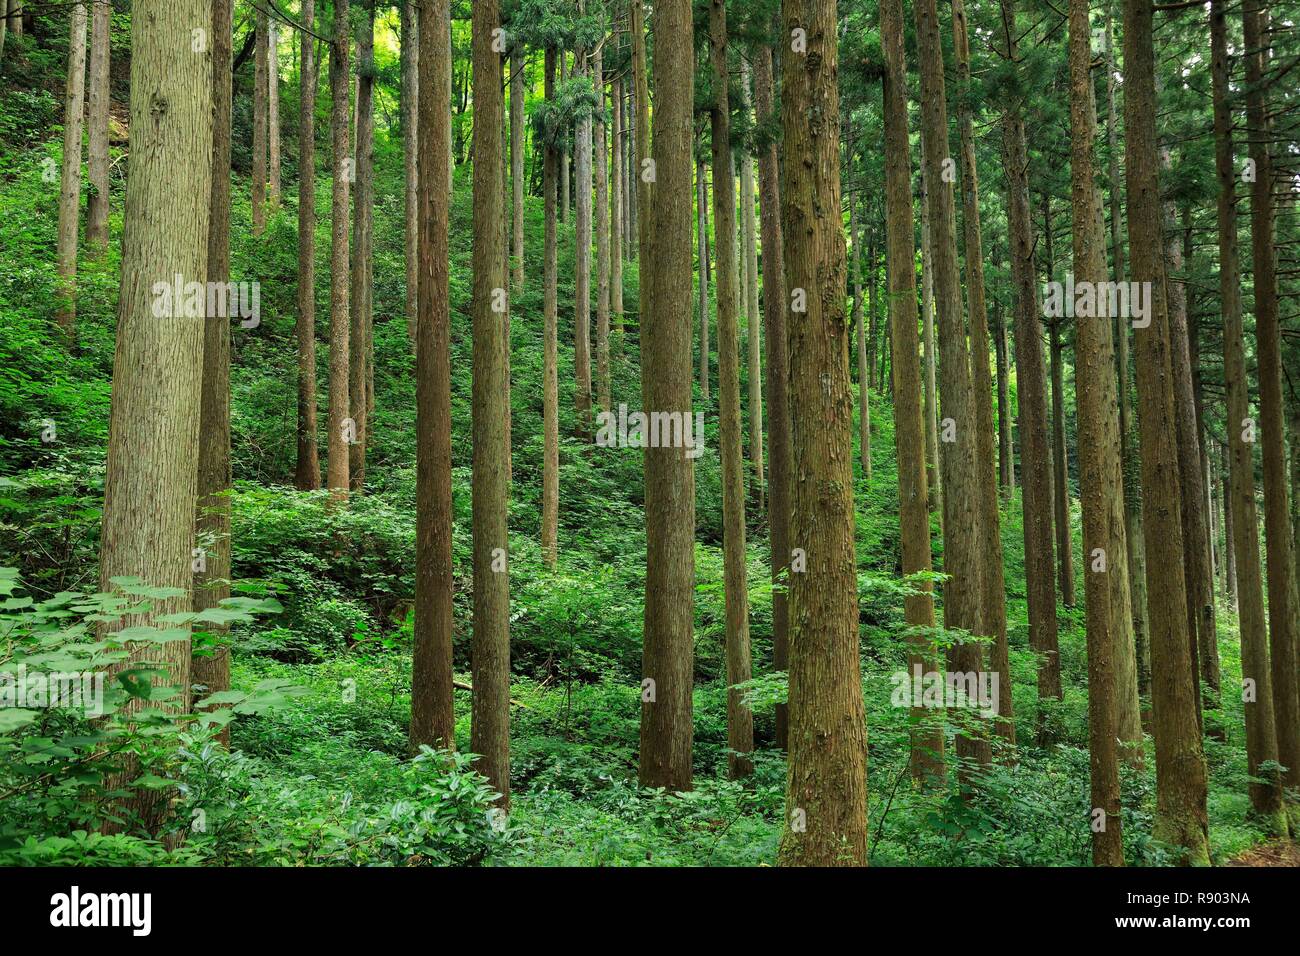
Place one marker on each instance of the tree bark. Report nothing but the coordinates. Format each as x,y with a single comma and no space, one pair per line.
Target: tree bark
753,331
261,79
341,426
410,51
517,162
363,219
935,479
616,208
864,391
826,797
550,346
97,128
702,231
307,475
600,150
582,253
70,180
273,109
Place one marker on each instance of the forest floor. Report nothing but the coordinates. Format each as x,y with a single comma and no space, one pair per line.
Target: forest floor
1280,853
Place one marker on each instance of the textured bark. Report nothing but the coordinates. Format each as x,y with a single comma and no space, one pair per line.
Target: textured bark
490,723
778,371
927,741
1031,392
1101,478
639,131
582,254
702,232
1006,444
307,474
565,154
433,715
927,344
1229,535
97,129
261,72
517,164
550,346
740,719
362,268
1180,765
753,330
993,606
1283,616
826,796
74,100
410,51
273,110
667,656
150,480
617,187
1240,519
601,157
339,424
864,390
964,558
1060,449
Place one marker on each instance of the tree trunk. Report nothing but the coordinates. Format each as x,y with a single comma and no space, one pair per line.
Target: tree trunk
582,254
935,496
753,332
702,227
410,51
490,725
97,127
550,346
261,80
433,716
964,561
864,393
341,426
70,180
1180,766
273,108
210,672
1282,613
600,149
667,658
150,479
1229,534
1031,393
307,475
1006,444
927,737
565,75
517,161
1101,477
740,719
363,218
778,384
616,209
826,821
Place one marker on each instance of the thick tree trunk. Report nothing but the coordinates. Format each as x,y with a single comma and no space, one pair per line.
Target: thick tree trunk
550,344
307,474
927,738
150,480
1180,765
964,557
261,81
97,128
341,426
667,657
1240,519
740,719
826,796
1283,616
490,723
363,219
433,715
1101,476
70,181
1031,392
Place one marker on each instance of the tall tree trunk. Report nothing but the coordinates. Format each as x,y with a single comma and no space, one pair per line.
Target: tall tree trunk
70,181
1006,444
702,231
517,162
667,657
565,156
1180,765
600,150
778,383
935,479
616,208
97,127
1060,449
582,253
1101,475
261,81
150,479
826,796
993,606
490,724
410,51
1229,534
341,426
1282,612
740,719
210,672
638,156
307,474
1240,518
550,346
273,109
363,218
1031,392
433,715
964,561
927,740
864,392
753,331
